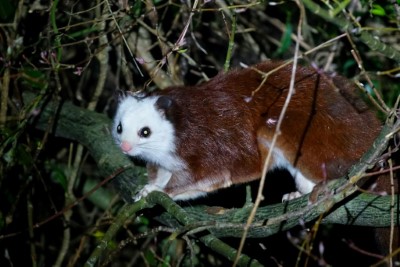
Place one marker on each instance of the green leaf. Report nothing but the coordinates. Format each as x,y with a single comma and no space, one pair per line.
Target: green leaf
348,65
18,154
35,78
150,258
58,176
137,9
286,39
378,10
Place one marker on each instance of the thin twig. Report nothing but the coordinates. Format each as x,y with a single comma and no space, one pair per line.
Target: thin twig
123,38
392,207
260,196
231,43
381,105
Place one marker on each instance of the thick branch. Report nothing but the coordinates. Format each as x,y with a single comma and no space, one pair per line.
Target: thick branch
363,209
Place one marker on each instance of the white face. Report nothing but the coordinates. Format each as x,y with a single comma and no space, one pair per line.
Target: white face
142,131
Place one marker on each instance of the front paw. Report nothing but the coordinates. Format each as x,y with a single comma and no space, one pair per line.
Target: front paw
291,195
147,189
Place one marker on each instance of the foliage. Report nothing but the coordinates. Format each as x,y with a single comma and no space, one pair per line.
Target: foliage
76,53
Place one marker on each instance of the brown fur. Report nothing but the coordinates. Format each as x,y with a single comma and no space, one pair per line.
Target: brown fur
326,128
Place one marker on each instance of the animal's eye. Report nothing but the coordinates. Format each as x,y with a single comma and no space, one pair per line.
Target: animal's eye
145,132
119,128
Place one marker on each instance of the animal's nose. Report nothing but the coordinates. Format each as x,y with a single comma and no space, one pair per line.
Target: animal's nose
125,146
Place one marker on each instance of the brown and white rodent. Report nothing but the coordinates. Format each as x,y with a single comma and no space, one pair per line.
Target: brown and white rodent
197,139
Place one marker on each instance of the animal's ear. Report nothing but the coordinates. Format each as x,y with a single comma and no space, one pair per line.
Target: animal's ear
164,103
166,106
